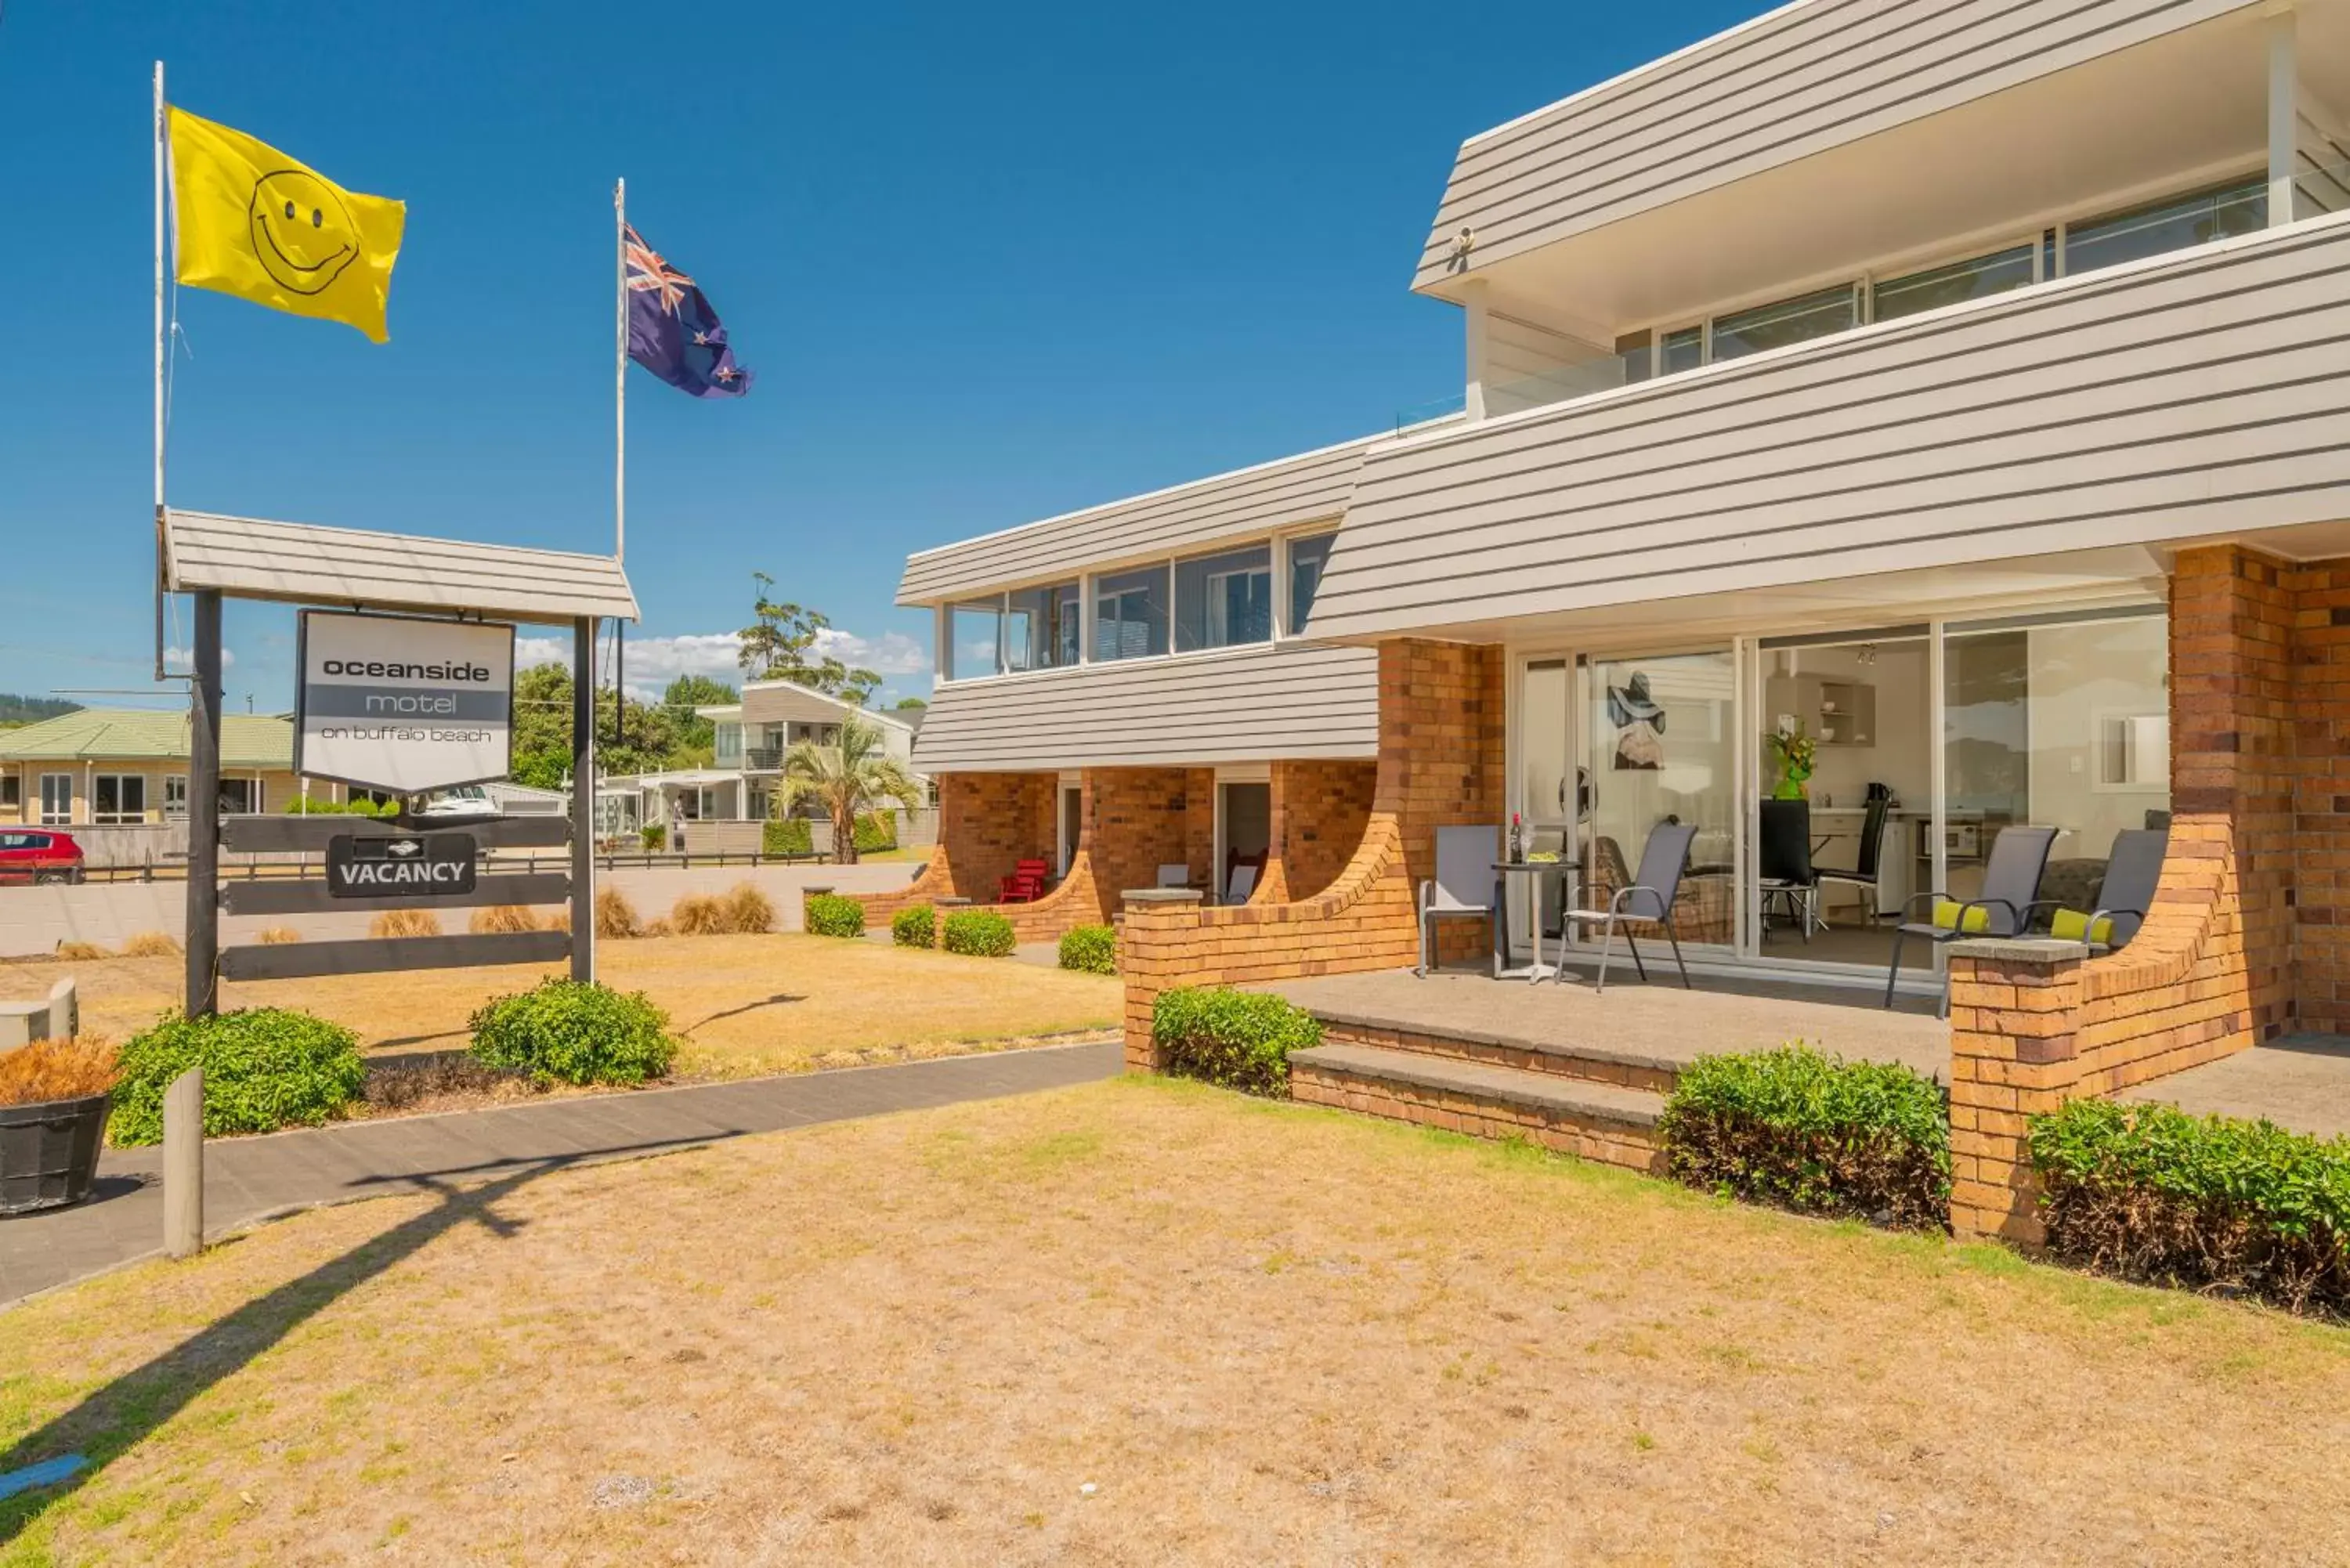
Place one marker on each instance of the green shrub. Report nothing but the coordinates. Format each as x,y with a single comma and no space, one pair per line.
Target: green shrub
789,835
1806,1131
831,915
915,926
2151,1193
1239,1039
654,834
1093,949
978,934
574,1031
264,1068
877,831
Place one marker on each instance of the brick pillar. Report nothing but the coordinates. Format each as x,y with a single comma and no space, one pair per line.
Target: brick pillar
2232,768
1157,947
2015,1052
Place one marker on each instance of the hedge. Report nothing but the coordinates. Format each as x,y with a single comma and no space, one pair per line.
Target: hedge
1238,1039
915,926
654,835
978,934
1090,950
2150,1193
264,1068
877,831
1801,1130
832,914
574,1030
789,835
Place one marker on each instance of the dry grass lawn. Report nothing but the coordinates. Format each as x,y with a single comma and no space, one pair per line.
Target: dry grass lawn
745,1005
1143,1323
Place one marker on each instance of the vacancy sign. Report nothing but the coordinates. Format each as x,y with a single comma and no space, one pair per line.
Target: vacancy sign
403,703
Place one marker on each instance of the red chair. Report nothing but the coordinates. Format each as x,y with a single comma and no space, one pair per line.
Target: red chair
1025,885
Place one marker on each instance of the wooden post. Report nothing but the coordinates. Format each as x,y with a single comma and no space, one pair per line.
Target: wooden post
203,810
583,798
183,1165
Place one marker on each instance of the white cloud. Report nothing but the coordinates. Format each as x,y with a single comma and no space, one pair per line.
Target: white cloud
892,653
182,660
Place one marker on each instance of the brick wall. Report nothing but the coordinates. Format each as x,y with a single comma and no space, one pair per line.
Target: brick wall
1320,812
1441,763
988,823
2211,971
2320,895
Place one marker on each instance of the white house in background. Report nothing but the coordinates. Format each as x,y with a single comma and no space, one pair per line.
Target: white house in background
753,737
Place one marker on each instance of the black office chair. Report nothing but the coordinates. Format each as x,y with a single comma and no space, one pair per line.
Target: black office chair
1863,874
1783,853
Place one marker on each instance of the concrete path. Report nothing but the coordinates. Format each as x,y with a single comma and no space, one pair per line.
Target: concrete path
248,1180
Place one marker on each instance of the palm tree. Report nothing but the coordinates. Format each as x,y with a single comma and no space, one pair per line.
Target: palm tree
847,780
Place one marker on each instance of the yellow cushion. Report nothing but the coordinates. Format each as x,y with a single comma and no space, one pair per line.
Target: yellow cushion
1946,916
2072,925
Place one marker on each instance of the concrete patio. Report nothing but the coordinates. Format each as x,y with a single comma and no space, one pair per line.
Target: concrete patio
2301,1082
1657,1026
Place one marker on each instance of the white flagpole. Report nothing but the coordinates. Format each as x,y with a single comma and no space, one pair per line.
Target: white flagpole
620,369
160,351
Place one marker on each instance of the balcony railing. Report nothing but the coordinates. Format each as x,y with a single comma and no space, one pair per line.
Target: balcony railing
764,758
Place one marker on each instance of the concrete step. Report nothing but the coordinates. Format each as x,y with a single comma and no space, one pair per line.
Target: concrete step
1626,1066
1605,1122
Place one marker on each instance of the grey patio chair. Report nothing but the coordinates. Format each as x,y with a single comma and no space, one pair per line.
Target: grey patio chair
1462,886
2132,872
2003,909
1174,876
1648,899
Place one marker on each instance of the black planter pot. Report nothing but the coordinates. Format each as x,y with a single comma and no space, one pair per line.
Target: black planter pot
48,1152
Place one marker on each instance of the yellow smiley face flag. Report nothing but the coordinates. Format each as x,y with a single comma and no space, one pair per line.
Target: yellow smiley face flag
255,224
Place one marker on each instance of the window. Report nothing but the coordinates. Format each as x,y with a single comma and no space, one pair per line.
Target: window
2171,225
1307,560
1130,614
726,746
1043,627
176,797
974,639
1786,321
12,791
1978,279
120,798
241,798
57,799
2061,723
1682,350
1223,601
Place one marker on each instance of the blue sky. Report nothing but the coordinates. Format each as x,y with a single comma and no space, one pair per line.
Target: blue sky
989,263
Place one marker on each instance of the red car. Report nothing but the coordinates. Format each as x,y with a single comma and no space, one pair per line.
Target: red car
39,854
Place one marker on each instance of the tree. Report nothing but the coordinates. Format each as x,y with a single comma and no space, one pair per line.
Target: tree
688,693
847,780
778,643
910,705
542,742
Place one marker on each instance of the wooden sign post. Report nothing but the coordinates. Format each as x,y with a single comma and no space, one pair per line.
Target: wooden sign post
447,592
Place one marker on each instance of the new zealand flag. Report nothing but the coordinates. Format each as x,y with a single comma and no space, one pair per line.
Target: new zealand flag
672,330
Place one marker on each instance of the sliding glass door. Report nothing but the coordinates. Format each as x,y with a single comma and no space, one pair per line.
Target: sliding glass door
1660,745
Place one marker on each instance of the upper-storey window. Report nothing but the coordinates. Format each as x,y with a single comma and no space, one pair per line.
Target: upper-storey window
727,741
1223,601
2173,223
2155,228
1977,277
974,639
1786,321
1042,627
1130,614
1308,558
